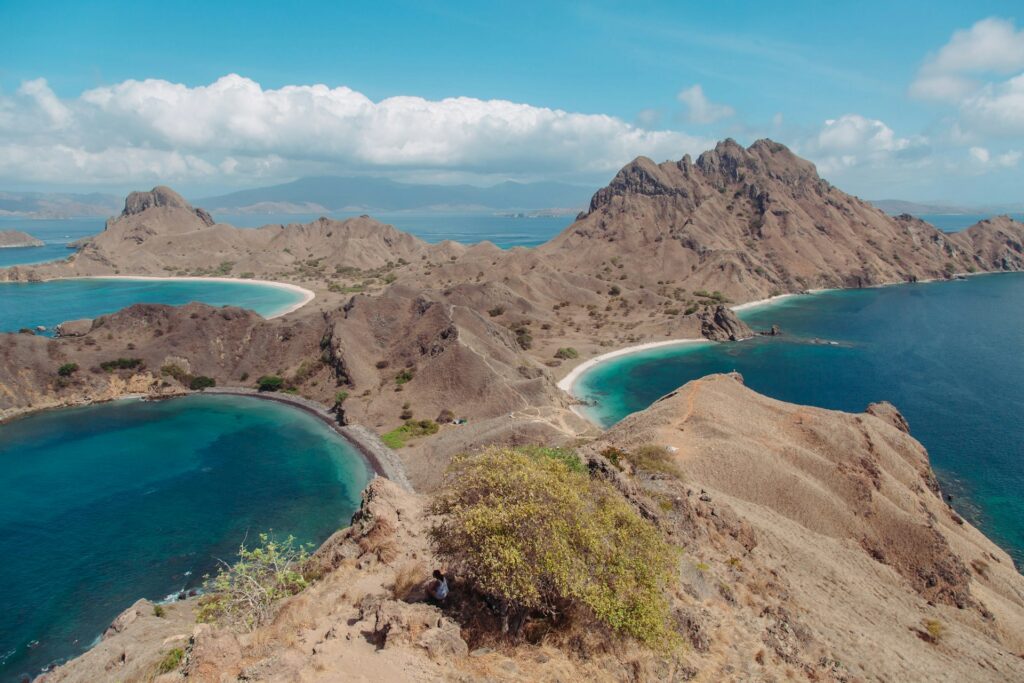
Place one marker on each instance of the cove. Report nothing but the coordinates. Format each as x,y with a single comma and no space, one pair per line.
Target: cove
29,304
949,355
102,505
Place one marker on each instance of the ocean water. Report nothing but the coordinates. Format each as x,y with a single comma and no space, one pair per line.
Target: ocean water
949,355
953,222
468,228
106,504
28,304
54,233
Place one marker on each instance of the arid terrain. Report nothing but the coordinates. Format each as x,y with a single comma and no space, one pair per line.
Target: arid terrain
816,544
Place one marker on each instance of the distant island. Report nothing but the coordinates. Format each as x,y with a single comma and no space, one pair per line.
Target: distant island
326,194
895,207
55,205
12,239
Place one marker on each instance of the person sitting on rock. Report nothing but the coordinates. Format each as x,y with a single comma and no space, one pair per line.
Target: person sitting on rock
438,587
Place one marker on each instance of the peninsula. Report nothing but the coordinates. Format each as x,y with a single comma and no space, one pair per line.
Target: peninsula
815,543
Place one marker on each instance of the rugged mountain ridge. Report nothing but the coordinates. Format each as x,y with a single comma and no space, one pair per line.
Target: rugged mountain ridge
753,221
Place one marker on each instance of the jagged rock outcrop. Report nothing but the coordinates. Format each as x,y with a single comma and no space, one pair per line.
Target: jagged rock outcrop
749,222
161,196
721,324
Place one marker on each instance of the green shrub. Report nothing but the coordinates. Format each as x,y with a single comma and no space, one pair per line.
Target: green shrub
654,459
340,397
201,382
404,376
496,311
530,532
614,290
171,661
159,611
67,369
121,364
412,429
176,372
567,353
269,383
242,595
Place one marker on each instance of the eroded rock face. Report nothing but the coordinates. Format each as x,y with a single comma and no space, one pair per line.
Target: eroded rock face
161,196
721,324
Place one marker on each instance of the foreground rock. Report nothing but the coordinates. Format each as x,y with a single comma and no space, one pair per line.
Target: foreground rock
814,546
14,239
855,557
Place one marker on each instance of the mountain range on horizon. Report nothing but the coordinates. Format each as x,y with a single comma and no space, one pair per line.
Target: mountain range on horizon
330,194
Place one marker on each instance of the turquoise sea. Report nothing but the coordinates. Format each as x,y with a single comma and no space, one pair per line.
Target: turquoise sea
949,355
28,304
105,504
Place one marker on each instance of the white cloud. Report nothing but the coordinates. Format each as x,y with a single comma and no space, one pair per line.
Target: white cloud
138,131
853,140
700,109
979,154
991,45
853,132
983,158
996,109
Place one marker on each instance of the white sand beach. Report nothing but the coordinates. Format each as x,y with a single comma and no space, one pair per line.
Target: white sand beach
307,295
567,382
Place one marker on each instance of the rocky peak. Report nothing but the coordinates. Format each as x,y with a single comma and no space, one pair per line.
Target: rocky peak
161,196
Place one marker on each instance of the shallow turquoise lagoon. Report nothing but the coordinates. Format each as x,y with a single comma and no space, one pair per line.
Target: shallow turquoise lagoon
949,355
105,504
28,304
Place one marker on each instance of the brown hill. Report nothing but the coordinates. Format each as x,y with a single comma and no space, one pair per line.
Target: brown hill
814,546
750,222
159,233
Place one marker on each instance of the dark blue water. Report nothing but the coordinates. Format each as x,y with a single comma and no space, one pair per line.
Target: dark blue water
102,505
949,355
28,304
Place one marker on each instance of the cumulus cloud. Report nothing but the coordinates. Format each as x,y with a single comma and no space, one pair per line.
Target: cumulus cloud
700,109
996,109
983,158
855,140
991,45
155,129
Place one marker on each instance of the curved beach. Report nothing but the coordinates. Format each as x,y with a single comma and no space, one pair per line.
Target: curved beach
307,295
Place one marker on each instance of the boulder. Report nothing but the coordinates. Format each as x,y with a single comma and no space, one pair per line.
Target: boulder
74,328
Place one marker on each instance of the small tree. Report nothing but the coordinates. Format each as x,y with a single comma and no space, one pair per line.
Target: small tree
242,595
201,382
269,383
567,353
67,369
537,534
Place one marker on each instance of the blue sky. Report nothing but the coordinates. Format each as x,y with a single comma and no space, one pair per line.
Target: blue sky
888,100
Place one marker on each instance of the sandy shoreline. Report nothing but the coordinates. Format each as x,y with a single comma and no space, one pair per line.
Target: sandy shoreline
307,295
566,383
